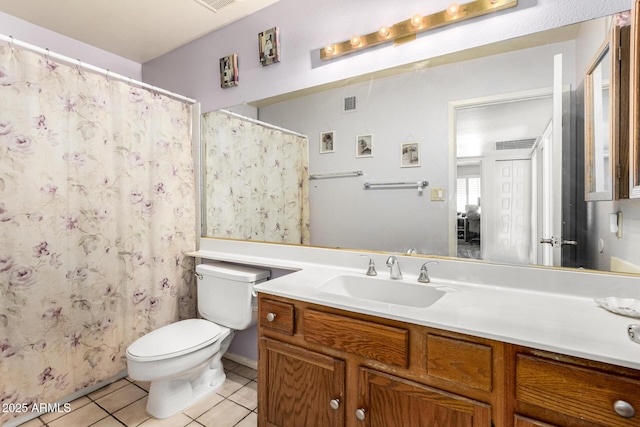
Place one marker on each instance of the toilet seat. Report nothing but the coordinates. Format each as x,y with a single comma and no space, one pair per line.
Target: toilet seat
174,340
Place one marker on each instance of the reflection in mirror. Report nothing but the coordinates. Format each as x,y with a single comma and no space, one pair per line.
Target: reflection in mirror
417,104
255,180
606,135
598,181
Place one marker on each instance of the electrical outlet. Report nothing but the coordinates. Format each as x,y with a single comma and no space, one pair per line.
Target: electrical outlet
437,194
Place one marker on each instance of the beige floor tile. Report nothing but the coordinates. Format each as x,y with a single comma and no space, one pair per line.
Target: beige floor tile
143,385
203,405
250,420
74,405
133,414
121,398
247,396
225,414
108,422
233,383
36,422
246,372
82,417
229,365
108,389
178,420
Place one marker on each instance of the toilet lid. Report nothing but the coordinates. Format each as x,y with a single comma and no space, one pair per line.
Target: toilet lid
174,340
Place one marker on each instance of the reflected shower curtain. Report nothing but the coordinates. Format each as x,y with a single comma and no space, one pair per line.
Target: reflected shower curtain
97,210
256,181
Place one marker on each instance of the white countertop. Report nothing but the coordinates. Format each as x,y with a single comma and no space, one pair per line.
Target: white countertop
540,308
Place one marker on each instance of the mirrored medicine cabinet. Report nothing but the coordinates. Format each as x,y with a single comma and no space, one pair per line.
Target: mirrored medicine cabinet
606,128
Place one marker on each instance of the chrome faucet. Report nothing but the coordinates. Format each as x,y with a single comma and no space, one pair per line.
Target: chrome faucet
394,265
424,273
371,271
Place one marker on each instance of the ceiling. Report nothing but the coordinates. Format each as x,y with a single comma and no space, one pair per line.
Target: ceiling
139,30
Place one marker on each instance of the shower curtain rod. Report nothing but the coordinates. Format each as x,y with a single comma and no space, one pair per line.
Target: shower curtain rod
258,122
110,75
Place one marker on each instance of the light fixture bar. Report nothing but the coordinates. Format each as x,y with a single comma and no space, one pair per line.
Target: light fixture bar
401,31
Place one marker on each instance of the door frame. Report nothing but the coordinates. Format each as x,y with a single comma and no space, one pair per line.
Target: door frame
475,102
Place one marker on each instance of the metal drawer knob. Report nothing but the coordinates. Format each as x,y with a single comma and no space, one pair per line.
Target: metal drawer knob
271,317
360,413
335,404
624,409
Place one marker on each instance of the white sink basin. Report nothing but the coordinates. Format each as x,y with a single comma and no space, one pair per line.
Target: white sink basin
382,290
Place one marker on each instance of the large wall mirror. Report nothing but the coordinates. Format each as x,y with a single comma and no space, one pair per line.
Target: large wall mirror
498,134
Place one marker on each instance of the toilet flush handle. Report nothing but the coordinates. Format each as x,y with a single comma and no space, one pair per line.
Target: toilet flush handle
199,276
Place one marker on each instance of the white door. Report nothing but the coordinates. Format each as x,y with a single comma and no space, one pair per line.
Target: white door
551,198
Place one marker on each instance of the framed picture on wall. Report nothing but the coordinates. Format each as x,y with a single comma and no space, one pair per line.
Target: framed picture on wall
364,146
269,44
229,71
409,154
327,142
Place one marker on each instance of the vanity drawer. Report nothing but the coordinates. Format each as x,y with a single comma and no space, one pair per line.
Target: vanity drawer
586,394
275,315
383,343
460,361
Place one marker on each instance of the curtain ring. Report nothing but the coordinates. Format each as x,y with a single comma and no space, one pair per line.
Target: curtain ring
78,65
107,75
11,45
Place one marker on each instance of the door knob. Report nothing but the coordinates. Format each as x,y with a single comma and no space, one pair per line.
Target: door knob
271,317
360,413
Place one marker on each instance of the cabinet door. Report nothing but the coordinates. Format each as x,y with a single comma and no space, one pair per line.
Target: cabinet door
390,401
528,422
299,387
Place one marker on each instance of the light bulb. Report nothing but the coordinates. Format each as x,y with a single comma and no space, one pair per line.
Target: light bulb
355,41
416,20
330,49
453,9
384,31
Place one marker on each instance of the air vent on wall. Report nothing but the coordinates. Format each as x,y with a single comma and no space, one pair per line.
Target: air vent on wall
215,5
349,104
517,144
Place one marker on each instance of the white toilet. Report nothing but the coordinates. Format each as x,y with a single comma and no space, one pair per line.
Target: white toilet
182,360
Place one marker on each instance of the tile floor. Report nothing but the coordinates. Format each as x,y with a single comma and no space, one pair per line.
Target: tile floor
122,403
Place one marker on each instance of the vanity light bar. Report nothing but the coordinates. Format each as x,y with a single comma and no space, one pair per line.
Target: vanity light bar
406,30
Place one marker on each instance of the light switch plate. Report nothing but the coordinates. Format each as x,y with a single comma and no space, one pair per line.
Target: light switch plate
437,194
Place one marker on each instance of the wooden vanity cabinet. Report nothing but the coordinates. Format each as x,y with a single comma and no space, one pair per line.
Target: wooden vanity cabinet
567,391
340,368
324,367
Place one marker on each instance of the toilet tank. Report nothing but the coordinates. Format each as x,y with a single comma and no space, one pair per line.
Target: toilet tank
225,293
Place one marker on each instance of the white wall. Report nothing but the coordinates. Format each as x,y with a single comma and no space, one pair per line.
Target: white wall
308,25
26,32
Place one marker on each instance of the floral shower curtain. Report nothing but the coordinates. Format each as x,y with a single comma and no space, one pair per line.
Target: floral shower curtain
97,210
256,181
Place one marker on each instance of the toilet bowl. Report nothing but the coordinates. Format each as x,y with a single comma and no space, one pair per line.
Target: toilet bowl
182,360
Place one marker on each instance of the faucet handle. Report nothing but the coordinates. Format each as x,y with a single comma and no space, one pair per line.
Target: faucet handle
371,271
424,273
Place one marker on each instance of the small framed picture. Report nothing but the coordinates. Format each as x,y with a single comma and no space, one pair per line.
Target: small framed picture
326,142
409,154
364,146
229,71
269,43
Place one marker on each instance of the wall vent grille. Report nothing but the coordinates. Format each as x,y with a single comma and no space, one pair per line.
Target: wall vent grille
215,5
349,104
517,144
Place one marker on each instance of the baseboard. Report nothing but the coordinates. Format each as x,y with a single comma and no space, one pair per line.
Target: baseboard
243,360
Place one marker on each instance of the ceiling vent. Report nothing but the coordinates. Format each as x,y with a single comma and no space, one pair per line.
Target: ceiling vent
517,144
349,104
215,5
